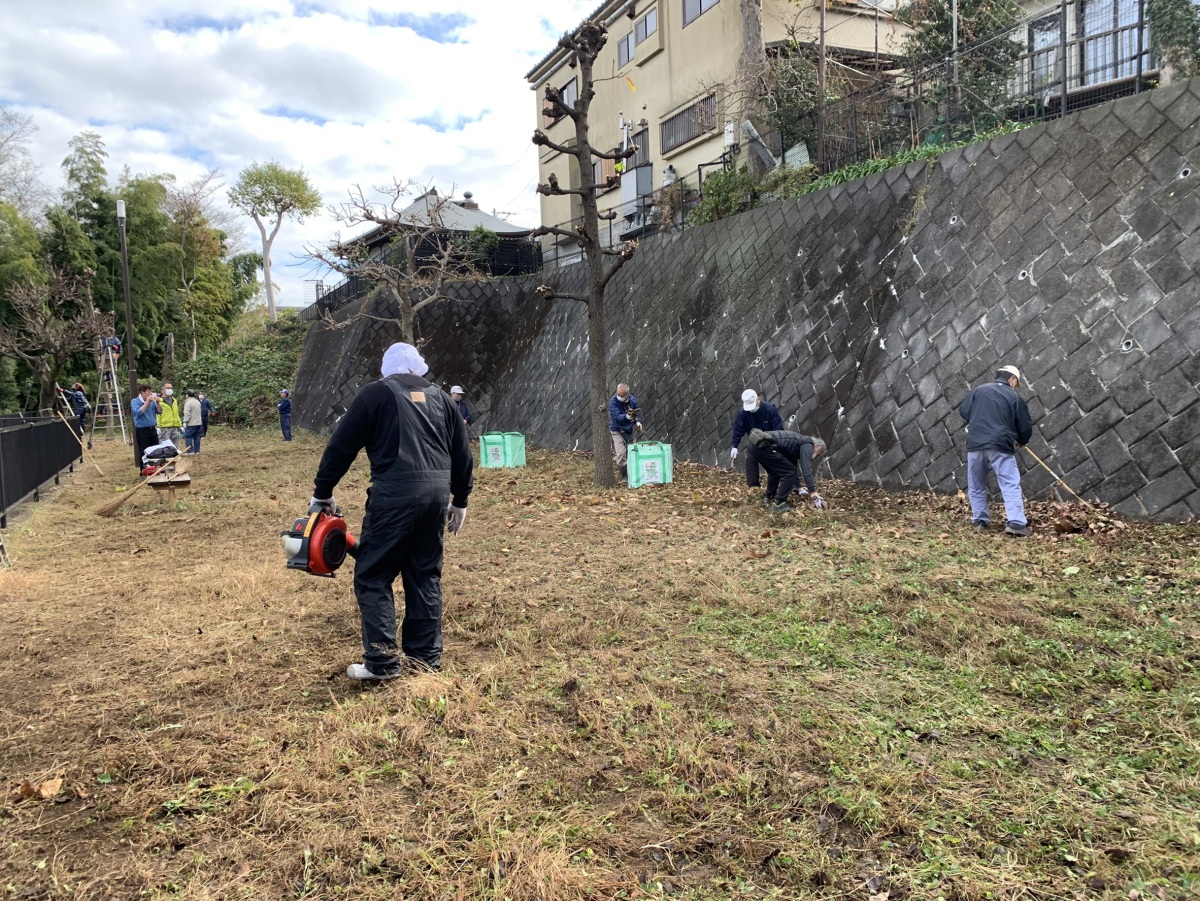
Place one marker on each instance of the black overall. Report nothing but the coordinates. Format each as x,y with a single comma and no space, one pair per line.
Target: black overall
402,535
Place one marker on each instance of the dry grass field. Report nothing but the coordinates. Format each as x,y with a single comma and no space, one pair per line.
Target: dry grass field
667,692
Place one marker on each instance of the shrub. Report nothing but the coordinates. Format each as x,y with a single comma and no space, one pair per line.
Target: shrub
243,378
724,194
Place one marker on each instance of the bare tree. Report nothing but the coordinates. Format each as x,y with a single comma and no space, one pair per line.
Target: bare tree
584,45
20,175
752,73
411,251
50,322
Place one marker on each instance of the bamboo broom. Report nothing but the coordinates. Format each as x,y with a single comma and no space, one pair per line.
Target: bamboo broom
111,507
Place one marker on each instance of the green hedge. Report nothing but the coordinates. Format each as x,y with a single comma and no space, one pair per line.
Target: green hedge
243,378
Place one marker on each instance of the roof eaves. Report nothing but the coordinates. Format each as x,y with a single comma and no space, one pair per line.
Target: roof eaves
558,50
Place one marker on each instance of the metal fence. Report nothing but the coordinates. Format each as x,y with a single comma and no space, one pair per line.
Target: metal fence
1077,55
31,454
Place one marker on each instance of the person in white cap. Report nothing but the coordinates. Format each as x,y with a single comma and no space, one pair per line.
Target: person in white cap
997,424
420,459
456,395
755,414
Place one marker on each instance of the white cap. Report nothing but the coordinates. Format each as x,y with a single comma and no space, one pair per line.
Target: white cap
750,399
1011,370
457,389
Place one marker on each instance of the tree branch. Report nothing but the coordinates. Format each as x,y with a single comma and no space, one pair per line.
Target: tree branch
624,256
617,154
547,293
555,230
540,139
553,187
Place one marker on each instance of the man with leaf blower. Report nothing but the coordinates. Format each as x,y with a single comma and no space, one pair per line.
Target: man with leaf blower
421,475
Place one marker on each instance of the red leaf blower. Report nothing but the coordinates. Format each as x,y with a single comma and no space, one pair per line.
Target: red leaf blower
318,542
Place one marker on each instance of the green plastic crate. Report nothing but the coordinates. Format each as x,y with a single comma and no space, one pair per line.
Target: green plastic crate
650,463
498,450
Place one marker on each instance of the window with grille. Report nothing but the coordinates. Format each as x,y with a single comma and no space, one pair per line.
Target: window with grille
689,123
1110,39
1044,40
693,8
642,157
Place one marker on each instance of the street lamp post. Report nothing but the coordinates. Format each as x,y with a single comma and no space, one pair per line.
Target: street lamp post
130,349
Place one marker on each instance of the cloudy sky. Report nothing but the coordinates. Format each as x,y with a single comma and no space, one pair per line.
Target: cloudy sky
353,91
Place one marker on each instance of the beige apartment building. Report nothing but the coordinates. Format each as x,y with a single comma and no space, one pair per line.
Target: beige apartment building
664,81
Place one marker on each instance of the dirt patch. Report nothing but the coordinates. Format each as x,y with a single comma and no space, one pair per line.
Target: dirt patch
668,691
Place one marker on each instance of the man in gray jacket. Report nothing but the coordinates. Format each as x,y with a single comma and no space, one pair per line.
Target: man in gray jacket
997,422
781,452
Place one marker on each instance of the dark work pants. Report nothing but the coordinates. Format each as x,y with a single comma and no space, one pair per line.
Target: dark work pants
751,466
204,425
145,436
285,425
401,536
782,475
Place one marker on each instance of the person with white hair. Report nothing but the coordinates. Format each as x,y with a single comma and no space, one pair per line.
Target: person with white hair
997,423
782,453
421,475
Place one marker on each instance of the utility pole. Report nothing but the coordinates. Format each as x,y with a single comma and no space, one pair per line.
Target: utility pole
821,94
129,346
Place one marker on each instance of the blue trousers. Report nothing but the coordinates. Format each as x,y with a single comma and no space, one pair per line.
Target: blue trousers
1008,477
191,434
285,425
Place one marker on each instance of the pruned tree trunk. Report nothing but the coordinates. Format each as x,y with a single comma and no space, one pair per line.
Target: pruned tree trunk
585,44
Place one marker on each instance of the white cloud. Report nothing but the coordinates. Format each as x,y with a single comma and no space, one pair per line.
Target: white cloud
353,91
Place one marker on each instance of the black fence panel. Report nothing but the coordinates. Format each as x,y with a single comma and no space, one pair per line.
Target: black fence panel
30,455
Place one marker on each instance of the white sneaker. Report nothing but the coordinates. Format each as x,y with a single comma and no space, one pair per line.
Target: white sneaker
359,673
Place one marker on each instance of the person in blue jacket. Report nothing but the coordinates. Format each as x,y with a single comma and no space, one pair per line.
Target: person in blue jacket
456,395
755,414
80,405
997,423
285,413
623,418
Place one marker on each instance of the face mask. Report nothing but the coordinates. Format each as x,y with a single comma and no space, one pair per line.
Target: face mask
169,391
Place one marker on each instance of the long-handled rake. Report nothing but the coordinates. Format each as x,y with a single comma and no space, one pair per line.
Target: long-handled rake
1057,477
82,448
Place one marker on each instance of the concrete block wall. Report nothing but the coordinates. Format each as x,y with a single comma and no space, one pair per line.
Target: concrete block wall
867,311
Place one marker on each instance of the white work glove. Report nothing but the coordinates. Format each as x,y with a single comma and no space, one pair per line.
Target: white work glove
818,501
803,492
455,517
328,505
629,416
640,428
732,454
